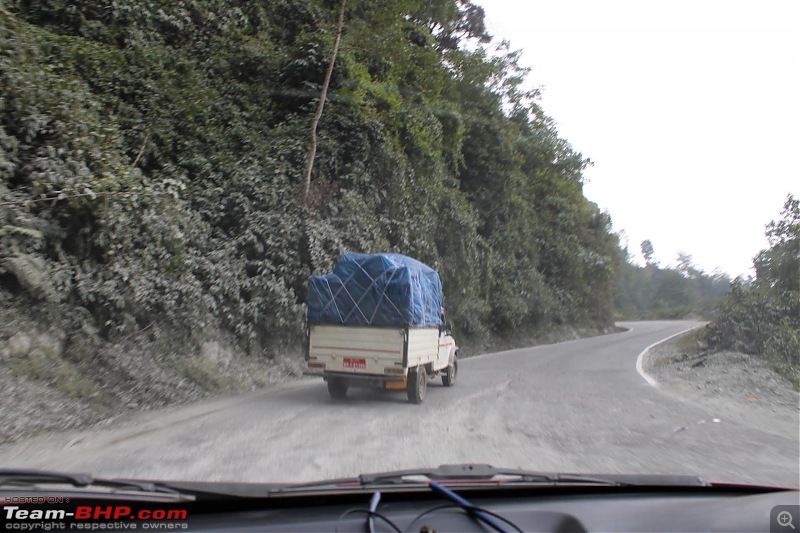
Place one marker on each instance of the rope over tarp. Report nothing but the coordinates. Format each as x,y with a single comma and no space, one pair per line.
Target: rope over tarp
376,290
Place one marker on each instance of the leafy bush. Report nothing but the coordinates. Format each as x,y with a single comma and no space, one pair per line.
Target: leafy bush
764,318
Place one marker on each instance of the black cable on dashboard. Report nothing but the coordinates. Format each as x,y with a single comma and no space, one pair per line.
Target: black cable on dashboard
371,514
467,509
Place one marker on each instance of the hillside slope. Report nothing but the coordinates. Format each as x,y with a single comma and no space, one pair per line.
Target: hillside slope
152,156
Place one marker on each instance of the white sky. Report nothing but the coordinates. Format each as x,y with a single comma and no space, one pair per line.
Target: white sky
690,111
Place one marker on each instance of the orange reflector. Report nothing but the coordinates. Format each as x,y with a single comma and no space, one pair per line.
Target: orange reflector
312,364
396,385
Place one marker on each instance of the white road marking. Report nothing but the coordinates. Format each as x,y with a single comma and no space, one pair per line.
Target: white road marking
649,379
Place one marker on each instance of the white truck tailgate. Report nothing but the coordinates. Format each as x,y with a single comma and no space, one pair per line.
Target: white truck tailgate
360,350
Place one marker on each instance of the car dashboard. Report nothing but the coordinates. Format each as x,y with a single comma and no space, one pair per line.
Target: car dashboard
554,510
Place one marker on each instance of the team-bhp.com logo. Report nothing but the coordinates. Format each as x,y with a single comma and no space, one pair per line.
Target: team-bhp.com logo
92,517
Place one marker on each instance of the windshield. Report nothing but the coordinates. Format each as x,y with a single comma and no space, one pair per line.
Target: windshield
284,241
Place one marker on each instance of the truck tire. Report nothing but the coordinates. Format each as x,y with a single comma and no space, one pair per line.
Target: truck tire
337,389
417,385
449,376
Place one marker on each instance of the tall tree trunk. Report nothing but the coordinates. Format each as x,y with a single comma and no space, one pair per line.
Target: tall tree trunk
313,150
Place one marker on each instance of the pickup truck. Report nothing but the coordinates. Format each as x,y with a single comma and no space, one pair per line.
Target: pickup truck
377,322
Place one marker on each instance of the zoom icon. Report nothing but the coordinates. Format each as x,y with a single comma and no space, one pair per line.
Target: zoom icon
784,519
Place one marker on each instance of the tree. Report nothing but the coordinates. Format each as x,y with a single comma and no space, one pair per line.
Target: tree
323,94
624,245
686,265
779,266
451,22
674,291
647,251
764,317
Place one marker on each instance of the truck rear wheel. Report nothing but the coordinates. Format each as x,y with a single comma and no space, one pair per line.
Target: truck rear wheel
449,376
417,385
337,389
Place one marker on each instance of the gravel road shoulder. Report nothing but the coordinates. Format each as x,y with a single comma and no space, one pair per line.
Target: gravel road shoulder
733,386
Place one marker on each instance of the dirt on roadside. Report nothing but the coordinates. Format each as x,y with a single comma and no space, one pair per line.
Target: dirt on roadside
731,385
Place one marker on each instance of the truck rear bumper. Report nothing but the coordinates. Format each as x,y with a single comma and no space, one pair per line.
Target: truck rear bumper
366,380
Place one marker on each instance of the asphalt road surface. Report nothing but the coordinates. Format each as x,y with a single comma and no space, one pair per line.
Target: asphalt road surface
578,406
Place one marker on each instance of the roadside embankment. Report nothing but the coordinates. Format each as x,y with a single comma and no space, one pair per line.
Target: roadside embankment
733,385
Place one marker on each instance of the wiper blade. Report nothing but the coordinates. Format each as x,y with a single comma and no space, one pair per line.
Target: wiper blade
488,474
46,479
29,477
485,475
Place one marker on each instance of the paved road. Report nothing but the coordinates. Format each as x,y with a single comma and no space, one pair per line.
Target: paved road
578,406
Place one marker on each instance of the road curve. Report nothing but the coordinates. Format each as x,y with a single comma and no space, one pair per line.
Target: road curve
578,406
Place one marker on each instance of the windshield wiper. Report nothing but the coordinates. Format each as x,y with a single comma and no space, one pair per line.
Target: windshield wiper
46,479
483,475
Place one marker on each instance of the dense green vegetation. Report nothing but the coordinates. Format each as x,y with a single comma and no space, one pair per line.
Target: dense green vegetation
762,317
152,155
653,292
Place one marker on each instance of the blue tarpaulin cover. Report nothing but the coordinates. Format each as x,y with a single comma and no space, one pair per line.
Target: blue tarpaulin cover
376,290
